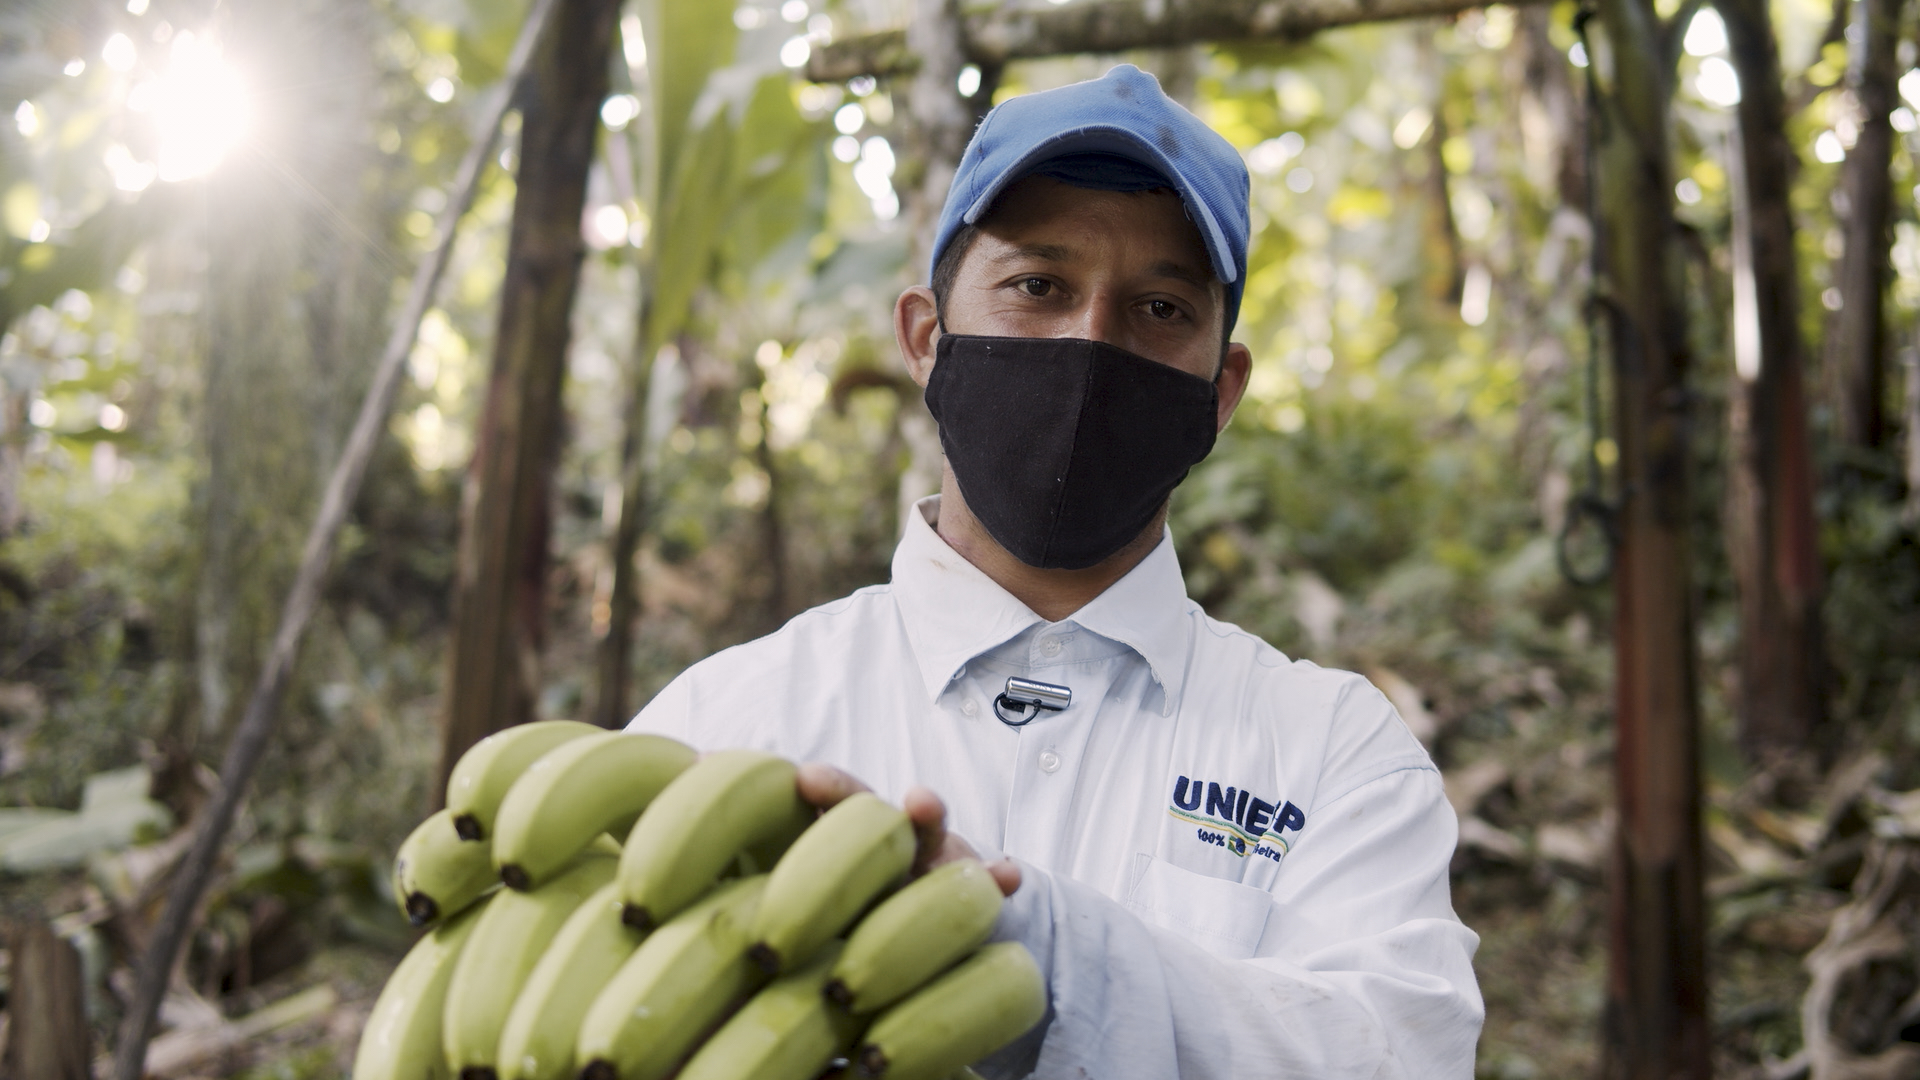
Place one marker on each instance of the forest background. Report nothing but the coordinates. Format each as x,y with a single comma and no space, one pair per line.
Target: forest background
211,213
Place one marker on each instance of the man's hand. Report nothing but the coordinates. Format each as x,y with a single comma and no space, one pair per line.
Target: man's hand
823,786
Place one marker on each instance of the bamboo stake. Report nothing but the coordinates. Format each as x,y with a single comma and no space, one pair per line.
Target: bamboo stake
343,486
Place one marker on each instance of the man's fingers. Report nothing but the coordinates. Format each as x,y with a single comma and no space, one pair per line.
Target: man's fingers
825,786
1006,874
929,817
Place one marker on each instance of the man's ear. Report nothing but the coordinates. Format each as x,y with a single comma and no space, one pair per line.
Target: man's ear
916,329
1234,371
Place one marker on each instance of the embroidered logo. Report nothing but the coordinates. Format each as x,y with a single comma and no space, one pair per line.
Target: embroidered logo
1234,819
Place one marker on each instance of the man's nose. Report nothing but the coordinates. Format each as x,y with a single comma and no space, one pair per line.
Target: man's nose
1099,319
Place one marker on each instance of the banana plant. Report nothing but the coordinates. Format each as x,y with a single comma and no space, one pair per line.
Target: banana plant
725,172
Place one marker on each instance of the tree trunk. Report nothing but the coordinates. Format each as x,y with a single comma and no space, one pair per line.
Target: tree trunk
47,1009
46,1004
612,705
1548,83
773,526
939,120
1771,533
1447,265
1656,1024
1912,426
1857,351
500,591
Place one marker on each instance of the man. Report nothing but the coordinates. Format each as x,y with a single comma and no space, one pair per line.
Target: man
1228,864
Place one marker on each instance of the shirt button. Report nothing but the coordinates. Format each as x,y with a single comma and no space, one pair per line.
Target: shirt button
1049,762
1050,647
969,706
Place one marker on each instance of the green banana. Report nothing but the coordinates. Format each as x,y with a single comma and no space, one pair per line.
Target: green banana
483,774
673,989
576,791
537,1042
915,934
993,997
515,929
436,874
729,803
852,854
402,1038
789,1031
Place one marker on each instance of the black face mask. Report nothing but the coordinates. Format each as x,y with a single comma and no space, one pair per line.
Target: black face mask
1064,448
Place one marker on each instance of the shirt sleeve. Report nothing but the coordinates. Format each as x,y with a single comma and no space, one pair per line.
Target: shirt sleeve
669,713
1363,971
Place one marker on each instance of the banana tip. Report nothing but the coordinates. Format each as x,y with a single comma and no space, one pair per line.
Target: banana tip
421,909
479,1072
636,917
468,827
598,1069
838,993
515,878
872,1061
764,958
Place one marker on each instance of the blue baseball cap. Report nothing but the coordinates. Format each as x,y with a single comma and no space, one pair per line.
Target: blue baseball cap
1118,132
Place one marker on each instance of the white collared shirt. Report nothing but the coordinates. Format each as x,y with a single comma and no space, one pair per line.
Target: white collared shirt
1234,864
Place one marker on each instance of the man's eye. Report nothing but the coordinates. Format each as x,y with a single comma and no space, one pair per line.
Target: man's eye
1034,286
1161,309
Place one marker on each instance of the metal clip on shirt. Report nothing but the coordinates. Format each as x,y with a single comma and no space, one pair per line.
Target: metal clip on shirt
1028,699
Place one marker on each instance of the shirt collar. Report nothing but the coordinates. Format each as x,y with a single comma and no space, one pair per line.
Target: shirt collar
953,612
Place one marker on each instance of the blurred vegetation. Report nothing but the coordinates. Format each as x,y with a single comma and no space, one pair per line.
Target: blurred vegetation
183,357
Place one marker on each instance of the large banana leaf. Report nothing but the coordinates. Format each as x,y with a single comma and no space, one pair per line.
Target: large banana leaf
687,40
777,175
696,202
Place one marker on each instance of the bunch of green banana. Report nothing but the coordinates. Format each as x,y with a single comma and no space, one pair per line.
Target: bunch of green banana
574,792
991,999
788,1031
402,1038
679,983
514,930
436,874
853,853
556,976
729,803
537,1042
483,774
915,934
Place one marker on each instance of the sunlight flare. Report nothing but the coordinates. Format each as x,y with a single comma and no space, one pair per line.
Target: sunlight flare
200,108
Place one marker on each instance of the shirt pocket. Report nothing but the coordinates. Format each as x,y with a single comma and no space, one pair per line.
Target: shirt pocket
1224,917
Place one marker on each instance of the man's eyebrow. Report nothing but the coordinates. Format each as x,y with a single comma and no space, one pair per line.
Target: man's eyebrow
1199,279
1043,252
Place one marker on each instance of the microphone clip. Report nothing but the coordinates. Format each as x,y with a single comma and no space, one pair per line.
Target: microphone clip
1028,699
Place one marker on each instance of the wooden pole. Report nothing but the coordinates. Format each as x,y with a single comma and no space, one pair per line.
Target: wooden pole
500,593
256,724
1656,1024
